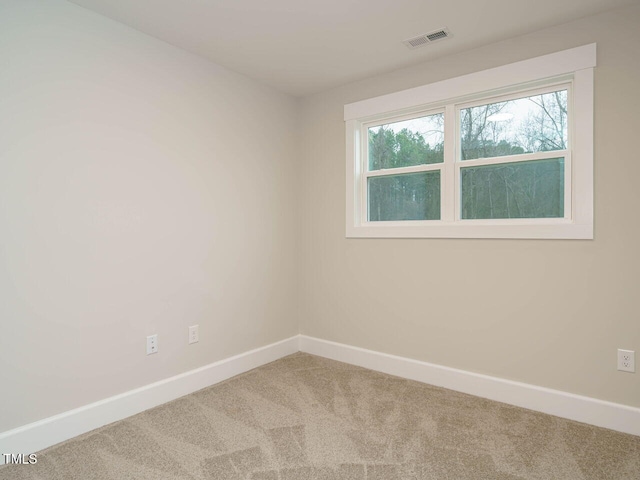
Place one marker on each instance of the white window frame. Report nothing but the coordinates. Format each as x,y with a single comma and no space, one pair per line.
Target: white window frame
573,68
366,173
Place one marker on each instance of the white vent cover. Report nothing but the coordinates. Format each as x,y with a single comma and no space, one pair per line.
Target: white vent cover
426,38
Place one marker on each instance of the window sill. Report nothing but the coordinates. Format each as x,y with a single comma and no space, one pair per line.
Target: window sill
472,229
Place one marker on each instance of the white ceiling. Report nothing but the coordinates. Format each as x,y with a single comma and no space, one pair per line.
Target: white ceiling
302,47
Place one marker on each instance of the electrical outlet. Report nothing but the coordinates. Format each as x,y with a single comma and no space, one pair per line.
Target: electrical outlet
194,336
626,360
152,344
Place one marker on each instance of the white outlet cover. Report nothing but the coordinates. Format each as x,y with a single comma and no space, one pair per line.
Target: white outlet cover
626,360
194,335
152,344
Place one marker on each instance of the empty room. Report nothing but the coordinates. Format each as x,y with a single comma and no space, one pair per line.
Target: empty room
290,240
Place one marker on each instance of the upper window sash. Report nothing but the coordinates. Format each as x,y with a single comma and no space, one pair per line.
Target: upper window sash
521,97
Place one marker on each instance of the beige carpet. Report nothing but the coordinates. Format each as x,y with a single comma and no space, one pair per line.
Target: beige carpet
305,417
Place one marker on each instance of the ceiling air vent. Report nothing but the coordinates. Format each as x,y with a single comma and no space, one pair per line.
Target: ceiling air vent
426,38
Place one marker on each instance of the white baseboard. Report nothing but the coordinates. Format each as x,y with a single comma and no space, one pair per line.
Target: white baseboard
49,431
554,402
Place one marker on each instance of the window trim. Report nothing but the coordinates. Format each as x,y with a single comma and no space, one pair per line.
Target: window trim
573,66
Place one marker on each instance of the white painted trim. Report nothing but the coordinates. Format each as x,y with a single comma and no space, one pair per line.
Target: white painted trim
583,114
589,410
50,431
472,229
545,66
58,428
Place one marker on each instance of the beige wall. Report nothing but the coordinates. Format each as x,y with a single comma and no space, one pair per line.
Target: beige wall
142,190
549,313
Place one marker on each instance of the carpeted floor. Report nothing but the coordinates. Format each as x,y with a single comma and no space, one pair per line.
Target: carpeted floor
305,417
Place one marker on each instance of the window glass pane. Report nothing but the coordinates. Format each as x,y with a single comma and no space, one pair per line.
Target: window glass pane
414,196
514,190
412,142
526,125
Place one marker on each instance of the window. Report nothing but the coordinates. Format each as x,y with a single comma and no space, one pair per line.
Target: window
504,153
405,159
